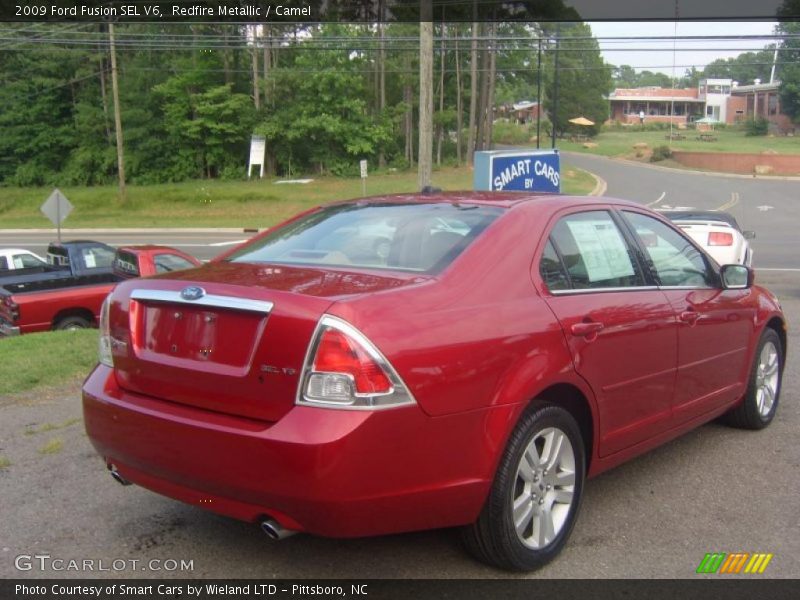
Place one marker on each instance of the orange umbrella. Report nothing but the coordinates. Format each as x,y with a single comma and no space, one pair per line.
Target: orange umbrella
581,121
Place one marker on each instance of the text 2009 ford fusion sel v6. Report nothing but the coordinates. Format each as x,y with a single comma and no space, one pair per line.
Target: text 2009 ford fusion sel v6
410,362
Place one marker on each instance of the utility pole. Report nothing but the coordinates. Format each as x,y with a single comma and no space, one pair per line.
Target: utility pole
117,117
539,94
554,116
256,92
424,167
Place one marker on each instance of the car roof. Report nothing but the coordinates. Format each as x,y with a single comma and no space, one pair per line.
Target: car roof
16,251
148,248
700,215
499,199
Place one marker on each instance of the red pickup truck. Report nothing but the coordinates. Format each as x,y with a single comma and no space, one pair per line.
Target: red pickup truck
28,308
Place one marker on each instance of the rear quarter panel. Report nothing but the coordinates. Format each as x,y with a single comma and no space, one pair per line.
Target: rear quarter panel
477,336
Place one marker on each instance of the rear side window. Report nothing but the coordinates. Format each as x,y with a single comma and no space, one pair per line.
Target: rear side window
552,269
677,262
594,251
404,237
166,263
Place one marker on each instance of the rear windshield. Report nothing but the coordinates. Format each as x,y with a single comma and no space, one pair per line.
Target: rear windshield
126,263
405,237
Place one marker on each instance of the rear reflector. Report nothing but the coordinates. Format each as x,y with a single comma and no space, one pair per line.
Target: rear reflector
344,369
720,238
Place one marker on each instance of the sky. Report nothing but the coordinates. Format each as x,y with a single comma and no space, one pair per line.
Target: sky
697,53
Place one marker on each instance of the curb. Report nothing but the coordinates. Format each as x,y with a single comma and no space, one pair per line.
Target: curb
600,186
625,161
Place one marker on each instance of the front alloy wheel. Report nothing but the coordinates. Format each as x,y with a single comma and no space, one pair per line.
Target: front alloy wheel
535,496
757,408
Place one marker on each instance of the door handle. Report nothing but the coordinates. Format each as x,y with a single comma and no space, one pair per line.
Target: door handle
586,329
689,316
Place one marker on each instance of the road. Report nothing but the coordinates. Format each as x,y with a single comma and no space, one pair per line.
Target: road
768,206
204,244
714,489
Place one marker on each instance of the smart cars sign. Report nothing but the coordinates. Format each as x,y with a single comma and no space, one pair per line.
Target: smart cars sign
537,171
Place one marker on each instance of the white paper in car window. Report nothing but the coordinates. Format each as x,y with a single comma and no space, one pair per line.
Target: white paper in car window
602,248
88,258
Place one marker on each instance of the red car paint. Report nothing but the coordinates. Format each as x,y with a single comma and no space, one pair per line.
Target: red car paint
43,310
474,344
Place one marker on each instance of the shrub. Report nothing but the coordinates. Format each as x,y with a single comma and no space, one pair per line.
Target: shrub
661,153
757,127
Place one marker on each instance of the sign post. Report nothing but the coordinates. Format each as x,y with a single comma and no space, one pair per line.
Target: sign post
520,171
57,209
258,150
363,165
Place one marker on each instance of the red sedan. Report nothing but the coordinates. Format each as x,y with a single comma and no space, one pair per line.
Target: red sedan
410,362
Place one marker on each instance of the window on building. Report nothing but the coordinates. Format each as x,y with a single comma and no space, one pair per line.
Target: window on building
773,104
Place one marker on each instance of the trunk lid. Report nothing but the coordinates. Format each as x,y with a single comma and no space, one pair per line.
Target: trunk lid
227,337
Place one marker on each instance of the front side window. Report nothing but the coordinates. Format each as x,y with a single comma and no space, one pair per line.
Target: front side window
26,261
404,237
676,261
97,257
595,252
165,263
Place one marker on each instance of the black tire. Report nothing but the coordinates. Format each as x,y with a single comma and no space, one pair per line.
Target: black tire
748,413
71,323
494,538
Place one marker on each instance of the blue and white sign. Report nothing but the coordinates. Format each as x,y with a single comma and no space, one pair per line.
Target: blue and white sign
518,171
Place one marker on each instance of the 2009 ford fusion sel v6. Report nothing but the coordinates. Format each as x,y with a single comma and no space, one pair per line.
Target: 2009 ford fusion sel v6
410,362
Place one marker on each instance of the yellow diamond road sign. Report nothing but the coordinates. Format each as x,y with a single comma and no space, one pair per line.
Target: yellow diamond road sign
57,207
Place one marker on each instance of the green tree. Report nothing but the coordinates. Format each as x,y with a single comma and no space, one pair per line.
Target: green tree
789,71
584,81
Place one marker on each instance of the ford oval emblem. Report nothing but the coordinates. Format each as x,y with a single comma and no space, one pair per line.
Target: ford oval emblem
192,293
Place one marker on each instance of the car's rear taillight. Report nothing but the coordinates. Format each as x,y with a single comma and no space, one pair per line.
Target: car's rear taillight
720,238
12,308
104,345
343,369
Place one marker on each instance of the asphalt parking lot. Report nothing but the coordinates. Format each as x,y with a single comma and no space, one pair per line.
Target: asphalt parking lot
715,489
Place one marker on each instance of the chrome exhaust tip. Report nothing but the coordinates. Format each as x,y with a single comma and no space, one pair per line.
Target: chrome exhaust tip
275,531
117,477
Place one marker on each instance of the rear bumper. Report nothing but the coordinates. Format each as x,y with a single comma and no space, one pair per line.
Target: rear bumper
328,472
7,329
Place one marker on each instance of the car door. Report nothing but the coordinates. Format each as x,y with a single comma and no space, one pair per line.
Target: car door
620,328
714,325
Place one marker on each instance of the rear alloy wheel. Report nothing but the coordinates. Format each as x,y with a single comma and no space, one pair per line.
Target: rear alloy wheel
536,494
72,323
760,402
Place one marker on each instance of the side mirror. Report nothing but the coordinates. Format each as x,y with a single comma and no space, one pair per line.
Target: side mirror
737,277
749,235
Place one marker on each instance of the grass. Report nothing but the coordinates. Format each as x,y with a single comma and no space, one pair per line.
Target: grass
46,359
255,203
620,143
4,462
54,446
